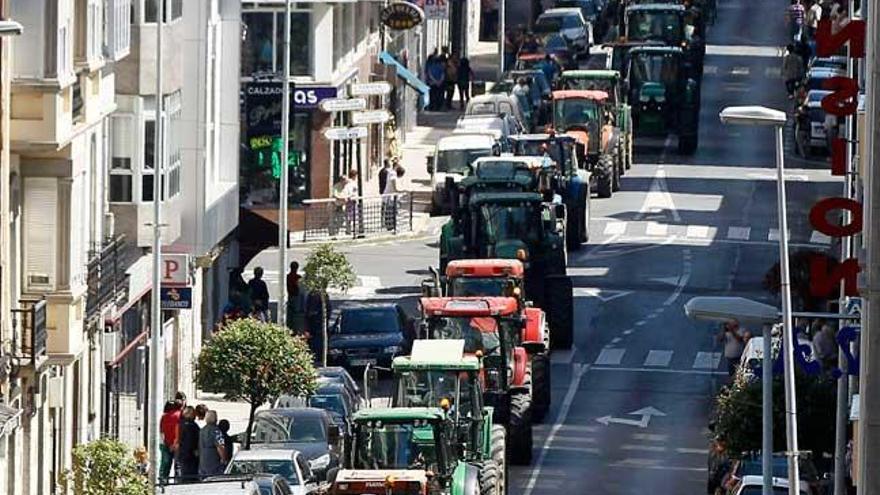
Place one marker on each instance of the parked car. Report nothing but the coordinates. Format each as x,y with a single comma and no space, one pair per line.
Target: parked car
591,10
251,484
751,465
500,127
370,334
835,62
498,103
332,397
308,430
290,465
751,485
815,80
809,124
570,24
338,374
452,155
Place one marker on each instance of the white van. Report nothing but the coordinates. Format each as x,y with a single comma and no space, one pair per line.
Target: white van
451,158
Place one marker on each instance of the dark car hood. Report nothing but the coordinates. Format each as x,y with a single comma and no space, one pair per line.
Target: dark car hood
309,450
354,340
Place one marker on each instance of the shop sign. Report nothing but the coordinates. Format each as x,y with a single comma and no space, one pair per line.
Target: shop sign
345,133
379,88
436,9
402,15
175,270
371,117
176,297
343,104
262,103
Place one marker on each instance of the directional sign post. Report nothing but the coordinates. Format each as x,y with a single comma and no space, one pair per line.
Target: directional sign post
343,104
646,413
379,88
371,117
345,133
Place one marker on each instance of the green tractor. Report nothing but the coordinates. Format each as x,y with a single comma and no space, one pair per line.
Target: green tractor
438,371
410,450
665,100
611,82
671,25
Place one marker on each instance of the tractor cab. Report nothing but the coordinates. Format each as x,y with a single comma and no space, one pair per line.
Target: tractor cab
594,80
558,147
490,277
670,25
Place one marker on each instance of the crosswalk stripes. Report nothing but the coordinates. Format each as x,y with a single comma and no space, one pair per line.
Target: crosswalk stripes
658,229
609,357
615,228
732,233
773,234
819,238
707,360
699,231
658,358
739,233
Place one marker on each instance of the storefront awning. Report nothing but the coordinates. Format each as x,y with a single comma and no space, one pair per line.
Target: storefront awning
10,418
407,75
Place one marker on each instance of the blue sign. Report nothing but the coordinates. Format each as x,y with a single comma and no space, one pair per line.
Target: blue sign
262,104
176,297
803,353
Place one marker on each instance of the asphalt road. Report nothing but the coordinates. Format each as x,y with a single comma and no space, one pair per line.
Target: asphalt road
631,401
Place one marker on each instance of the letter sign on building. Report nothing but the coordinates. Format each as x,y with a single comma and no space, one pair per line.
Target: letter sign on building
175,270
402,15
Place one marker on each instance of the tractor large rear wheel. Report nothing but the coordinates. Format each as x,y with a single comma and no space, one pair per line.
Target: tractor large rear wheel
519,429
558,304
497,452
615,175
540,386
490,479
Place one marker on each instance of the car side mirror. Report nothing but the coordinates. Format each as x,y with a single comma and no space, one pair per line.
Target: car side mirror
333,434
430,164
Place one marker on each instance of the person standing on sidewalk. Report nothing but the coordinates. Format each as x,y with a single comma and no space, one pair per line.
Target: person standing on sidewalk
295,305
734,340
391,201
792,70
259,293
795,18
451,80
168,427
212,449
813,14
188,446
465,76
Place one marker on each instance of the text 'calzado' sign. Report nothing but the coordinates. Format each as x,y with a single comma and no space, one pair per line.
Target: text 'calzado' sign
402,15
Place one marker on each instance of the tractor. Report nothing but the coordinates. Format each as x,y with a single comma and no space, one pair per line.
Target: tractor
671,25
665,100
410,450
611,82
495,330
573,185
587,116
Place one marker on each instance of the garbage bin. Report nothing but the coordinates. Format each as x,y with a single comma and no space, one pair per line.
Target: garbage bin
478,88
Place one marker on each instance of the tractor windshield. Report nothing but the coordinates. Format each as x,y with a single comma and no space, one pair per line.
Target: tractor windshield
479,333
394,446
653,67
654,25
426,388
457,161
479,286
574,111
606,85
509,222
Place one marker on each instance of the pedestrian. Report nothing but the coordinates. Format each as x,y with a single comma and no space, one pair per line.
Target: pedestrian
188,446
259,294
391,200
451,80
734,340
825,344
436,75
168,428
223,424
792,70
813,15
294,298
201,411
522,92
795,19
465,76
510,48
345,192
383,174
239,304
549,68
212,449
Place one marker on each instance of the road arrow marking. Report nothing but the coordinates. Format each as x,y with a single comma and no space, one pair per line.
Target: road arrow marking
603,295
667,280
646,413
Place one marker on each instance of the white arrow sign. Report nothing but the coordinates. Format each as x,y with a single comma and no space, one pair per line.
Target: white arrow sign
646,413
343,104
603,295
370,89
371,117
345,133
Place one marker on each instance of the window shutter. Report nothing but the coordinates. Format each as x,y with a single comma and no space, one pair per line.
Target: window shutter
40,232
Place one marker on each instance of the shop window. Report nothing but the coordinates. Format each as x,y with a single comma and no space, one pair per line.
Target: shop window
260,167
262,48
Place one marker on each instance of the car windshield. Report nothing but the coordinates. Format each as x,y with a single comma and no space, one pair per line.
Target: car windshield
281,467
390,446
272,427
588,7
645,25
647,67
333,403
511,222
478,286
756,490
424,388
574,111
457,161
553,42
556,23
479,333
369,320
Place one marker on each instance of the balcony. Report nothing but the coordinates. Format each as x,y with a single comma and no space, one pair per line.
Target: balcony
30,336
106,278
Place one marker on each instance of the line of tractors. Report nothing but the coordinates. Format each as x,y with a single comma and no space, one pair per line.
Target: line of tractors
463,403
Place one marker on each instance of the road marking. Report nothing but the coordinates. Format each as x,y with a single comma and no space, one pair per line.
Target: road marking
643,448
685,278
646,413
658,199
604,295
609,357
654,228
744,50
739,71
616,340
710,69
739,233
650,437
667,280
658,358
684,450
585,450
698,231
819,238
773,235
579,371
615,228
658,370
707,360
587,271
628,331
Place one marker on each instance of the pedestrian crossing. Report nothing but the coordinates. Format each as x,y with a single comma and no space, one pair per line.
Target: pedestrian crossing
733,233
741,72
657,359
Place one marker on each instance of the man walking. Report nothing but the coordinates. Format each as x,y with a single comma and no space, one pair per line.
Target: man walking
168,428
792,70
734,340
188,446
295,306
465,76
259,293
795,17
451,80
212,447
813,14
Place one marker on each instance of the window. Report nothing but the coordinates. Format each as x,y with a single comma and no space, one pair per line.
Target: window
262,48
173,144
149,160
259,180
121,177
173,10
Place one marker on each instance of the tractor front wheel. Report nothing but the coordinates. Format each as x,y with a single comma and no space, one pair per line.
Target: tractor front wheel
540,386
497,450
605,180
490,479
519,429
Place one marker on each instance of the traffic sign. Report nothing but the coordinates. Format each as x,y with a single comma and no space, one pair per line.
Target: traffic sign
370,89
343,104
345,133
370,117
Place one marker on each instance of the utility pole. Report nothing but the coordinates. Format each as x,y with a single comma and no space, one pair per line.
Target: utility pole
157,354
285,185
502,13
869,372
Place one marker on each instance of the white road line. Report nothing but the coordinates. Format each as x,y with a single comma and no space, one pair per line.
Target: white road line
658,370
587,271
739,233
643,448
697,231
683,281
654,228
710,69
615,228
707,360
573,386
628,331
744,50
819,238
740,71
658,199
609,357
658,358
616,340
773,235
585,450
685,450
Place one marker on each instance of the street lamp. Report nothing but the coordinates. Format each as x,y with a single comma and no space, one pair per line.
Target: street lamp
763,116
8,27
740,308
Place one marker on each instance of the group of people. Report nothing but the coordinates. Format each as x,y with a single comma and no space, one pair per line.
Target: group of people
247,299
346,212
444,72
803,19
194,441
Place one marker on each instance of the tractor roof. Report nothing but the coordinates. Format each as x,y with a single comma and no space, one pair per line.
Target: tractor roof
590,74
657,7
399,414
443,355
582,94
532,56
480,198
469,306
484,268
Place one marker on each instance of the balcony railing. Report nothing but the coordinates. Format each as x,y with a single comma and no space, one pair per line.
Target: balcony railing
106,277
30,343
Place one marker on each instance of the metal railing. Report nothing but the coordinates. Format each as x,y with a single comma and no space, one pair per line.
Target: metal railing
33,342
106,277
358,217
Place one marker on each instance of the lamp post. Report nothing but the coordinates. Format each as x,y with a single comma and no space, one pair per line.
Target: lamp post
730,308
284,187
763,116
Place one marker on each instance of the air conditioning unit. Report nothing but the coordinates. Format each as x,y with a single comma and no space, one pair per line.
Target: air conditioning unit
55,392
110,346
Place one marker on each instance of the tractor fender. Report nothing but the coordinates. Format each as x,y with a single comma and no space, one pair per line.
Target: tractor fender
520,366
612,141
465,480
533,332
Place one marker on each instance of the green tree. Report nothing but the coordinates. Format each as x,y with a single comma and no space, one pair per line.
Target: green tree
106,467
255,362
327,268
